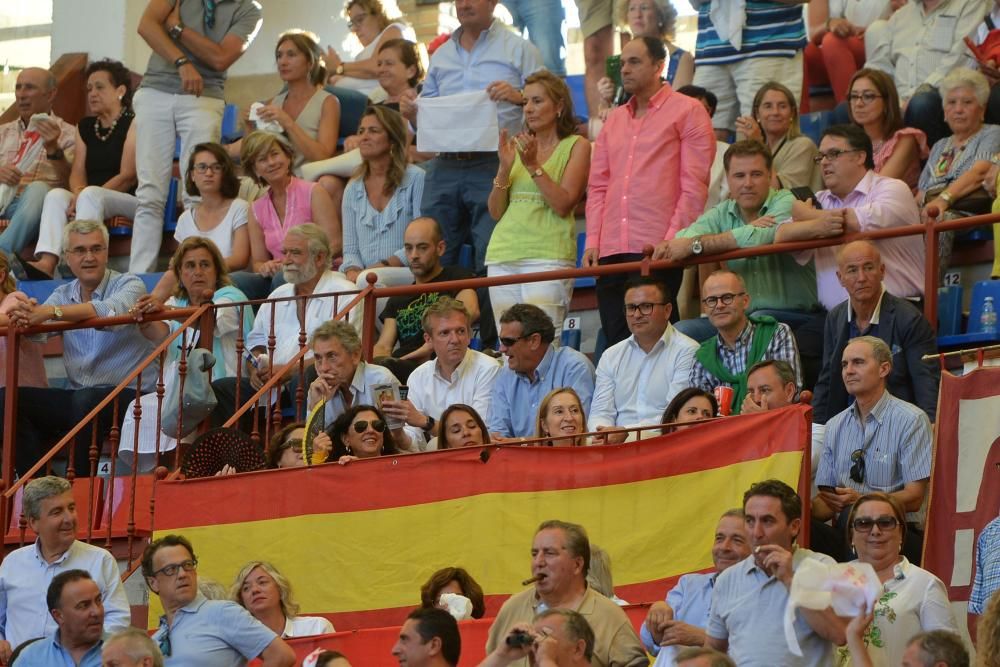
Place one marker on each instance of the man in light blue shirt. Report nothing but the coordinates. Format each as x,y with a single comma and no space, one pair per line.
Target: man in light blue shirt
195,630
749,599
96,360
534,368
50,508
681,620
74,601
483,54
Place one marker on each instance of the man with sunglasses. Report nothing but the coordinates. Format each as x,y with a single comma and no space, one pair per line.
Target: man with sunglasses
742,340
880,443
195,630
533,368
781,287
639,376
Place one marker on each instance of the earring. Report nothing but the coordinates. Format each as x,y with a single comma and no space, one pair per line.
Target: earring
349,452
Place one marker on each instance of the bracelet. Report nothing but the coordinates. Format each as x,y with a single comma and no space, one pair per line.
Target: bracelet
496,184
946,196
180,62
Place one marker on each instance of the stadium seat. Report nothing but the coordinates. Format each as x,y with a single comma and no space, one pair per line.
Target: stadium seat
949,310
813,124
170,212
973,330
570,338
41,289
231,124
150,280
465,257
583,281
577,90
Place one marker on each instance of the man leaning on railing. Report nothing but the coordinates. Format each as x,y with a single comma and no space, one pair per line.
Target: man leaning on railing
96,359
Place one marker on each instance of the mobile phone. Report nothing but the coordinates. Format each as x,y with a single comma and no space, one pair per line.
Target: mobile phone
828,489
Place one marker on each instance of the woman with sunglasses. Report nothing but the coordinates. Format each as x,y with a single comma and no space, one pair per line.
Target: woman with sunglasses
286,446
361,433
912,599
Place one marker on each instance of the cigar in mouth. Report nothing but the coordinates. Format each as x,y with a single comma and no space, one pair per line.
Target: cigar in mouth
532,580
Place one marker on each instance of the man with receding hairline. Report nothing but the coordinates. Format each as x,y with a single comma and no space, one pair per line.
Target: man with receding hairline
131,647
402,317
871,310
34,93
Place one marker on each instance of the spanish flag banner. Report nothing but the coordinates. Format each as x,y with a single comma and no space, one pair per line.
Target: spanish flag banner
358,541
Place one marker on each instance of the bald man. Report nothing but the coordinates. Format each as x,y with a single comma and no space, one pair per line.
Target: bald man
871,310
34,92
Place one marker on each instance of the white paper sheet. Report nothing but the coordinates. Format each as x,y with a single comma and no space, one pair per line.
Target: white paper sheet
457,123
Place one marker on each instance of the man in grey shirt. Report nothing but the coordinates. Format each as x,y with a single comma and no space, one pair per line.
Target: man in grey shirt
181,95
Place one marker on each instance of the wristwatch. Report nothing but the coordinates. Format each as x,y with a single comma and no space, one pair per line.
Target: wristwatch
429,427
57,313
340,69
696,246
183,60
175,31
538,172
946,196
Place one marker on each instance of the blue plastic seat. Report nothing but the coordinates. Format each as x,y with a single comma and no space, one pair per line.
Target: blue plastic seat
150,280
973,330
949,310
577,90
40,289
170,209
231,124
465,257
583,281
570,338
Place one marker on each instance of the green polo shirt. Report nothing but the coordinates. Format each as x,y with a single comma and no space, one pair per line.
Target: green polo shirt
774,282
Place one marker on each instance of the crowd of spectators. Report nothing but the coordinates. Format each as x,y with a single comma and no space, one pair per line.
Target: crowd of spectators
309,221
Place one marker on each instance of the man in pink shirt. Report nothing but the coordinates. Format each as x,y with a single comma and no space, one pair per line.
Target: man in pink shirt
869,202
648,178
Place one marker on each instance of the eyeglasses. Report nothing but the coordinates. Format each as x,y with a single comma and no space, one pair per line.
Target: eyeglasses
510,340
362,426
726,299
885,523
356,22
867,97
94,250
203,167
641,308
858,466
833,154
173,568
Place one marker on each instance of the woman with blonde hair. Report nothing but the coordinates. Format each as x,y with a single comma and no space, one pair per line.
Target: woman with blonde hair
774,122
561,413
542,177
372,27
267,594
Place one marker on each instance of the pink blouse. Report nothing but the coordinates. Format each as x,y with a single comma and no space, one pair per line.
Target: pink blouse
31,365
884,151
298,210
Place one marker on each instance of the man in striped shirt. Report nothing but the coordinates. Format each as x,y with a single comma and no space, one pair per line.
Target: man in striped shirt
740,49
880,443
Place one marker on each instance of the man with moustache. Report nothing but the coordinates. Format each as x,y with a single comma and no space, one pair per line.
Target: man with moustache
680,620
749,599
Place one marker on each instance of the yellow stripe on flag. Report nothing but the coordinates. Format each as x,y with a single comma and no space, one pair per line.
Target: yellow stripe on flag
355,561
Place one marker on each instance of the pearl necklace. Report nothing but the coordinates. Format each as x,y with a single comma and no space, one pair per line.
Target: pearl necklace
125,113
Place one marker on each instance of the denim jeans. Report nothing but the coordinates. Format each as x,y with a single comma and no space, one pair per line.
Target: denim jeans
543,20
25,216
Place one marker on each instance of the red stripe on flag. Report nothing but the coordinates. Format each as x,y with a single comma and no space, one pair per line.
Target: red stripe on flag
451,474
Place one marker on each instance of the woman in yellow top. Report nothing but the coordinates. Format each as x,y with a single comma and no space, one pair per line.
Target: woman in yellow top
541,179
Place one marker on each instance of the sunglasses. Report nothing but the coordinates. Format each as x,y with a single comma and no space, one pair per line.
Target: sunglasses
884,523
362,426
295,444
858,466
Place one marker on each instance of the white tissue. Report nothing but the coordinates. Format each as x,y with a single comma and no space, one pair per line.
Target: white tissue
850,588
458,606
265,125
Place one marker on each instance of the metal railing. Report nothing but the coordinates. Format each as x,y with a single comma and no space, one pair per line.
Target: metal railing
366,298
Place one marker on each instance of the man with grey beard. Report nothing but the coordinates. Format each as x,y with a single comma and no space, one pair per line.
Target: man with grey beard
306,251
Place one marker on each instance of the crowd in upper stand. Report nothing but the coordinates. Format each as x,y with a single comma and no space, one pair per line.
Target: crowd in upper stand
692,154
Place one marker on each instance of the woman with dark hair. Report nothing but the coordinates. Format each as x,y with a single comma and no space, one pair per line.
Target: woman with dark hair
775,123
102,178
380,201
542,177
219,215
361,433
453,580
689,405
912,600
286,447
873,103
462,426
198,271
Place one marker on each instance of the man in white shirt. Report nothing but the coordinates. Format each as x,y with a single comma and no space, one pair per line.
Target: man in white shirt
639,376
25,574
456,375
306,251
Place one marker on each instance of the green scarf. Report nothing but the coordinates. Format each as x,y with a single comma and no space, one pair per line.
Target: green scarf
707,355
